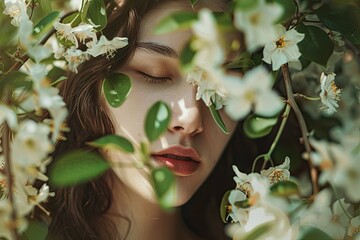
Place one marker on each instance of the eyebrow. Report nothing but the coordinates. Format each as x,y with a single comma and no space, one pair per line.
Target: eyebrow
158,48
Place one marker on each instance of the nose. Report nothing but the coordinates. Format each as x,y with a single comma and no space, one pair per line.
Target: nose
186,113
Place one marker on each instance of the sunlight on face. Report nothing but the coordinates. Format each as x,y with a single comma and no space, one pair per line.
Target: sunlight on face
192,133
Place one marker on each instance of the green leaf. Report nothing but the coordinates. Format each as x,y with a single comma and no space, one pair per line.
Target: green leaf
176,21
284,188
341,17
224,206
46,6
164,186
193,2
289,9
113,142
310,233
260,230
243,63
186,57
256,127
157,120
246,4
76,167
16,79
94,13
116,88
45,24
36,231
74,19
217,118
316,46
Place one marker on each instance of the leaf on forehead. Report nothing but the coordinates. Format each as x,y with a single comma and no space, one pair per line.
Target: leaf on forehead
217,118
186,57
113,142
256,126
164,186
94,13
76,167
176,21
117,87
157,120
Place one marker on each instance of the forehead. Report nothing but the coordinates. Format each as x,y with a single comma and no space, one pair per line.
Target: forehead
174,39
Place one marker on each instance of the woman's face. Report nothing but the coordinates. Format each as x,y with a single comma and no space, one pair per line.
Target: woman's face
193,143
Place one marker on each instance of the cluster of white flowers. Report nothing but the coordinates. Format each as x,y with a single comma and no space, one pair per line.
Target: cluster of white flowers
251,204
215,86
85,34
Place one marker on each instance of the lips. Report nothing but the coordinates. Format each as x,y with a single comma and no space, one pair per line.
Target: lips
180,160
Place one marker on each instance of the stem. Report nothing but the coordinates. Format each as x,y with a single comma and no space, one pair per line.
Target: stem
302,124
256,159
5,142
306,97
341,205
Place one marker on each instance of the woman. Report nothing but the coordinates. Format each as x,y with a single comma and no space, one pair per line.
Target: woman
121,204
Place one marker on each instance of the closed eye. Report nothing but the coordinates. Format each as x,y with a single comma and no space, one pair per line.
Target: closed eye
153,79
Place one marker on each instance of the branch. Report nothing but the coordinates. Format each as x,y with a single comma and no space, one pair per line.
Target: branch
302,124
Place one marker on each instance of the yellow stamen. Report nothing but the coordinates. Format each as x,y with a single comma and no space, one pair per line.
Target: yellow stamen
281,42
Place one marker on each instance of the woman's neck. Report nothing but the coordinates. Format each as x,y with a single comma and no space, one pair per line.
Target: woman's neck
137,218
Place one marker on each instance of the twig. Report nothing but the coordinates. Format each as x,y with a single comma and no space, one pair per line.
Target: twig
302,124
5,142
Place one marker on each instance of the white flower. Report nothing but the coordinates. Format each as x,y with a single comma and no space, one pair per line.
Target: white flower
31,143
243,180
8,115
252,92
237,214
75,57
16,9
284,49
329,94
258,23
64,31
5,219
278,173
105,46
84,31
207,40
26,38
210,85
354,228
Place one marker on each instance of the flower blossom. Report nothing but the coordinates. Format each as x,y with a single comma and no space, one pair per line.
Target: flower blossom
257,23
207,41
329,94
31,143
75,57
64,31
16,9
105,46
283,49
253,91
278,173
8,115
210,86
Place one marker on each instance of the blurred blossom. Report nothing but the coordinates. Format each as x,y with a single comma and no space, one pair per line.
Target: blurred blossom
16,9
75,57
278,173
284,48
5,220
210,84
236,216
31,143
354,227
330,218
207,41
252,92
330,93
8,115
258,23
105,46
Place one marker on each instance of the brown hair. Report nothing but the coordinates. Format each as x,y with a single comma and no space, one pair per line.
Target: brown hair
76,211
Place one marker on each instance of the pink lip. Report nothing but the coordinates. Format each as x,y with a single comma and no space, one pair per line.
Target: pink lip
182,161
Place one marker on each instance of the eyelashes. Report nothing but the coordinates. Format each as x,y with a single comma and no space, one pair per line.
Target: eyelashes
153,79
